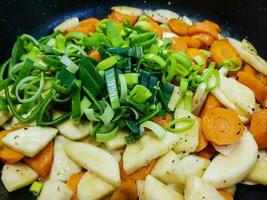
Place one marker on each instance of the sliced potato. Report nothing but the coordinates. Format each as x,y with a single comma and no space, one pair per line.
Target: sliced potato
30,140
156,190
117,142
91,187
56,190
16,176
224,149
179,188
116,154
189,139
140,184
162,15
249,56
258,173
63,167
194,165
199,98
67,24
169,169
225,171
196,188
95,160
72,131
128,10
147,149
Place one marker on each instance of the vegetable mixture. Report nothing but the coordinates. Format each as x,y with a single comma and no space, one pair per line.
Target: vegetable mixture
144,104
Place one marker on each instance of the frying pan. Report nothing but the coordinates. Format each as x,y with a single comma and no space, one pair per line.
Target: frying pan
238,18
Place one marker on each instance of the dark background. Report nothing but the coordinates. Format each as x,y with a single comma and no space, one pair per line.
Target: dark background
238,18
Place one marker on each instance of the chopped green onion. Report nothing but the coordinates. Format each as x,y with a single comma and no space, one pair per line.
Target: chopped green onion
206,53
123,88
144,39
199,60
150,114
60,43
113,34
66,77
107,63
71,66
76,48
17,51
156,59
105,137
188,100
91,115
76,101
144,78
131,79
36,187
108,113
183,59
30,38
94,100
181,125
183,85
155,128
112,88
213,81
143,25
140,93
85,103
231,65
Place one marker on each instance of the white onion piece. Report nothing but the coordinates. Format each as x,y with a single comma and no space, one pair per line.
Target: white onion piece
162,15
67,24
126,10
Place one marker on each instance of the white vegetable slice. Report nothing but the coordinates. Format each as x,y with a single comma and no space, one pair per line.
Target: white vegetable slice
56,190
169,35
156,190
199,98
162,15
175,98
128,10
258,173
30,140
196,188
168,169
117,142
225,149
186,20
16,176
147,149
250,57
94,159
63,167
67,24
72,131
188,139
91,187
140,184
225,171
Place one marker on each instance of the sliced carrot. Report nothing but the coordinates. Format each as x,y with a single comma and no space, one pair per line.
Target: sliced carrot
85,30
211,102
253,83
90,22
163,121
178,44
208,152
221,50
258,128
192,42
123,18
138,175
202,144
42,162
126,191
94,54
73,182
226,195
203,27
8,155
113,19
205,39
247,68
214,25
178,26
261,77
193,52
222,126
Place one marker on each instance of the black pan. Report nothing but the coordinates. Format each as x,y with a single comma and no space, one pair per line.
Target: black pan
238,18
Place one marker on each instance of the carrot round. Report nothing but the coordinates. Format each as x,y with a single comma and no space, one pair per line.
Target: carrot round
202,142
214,25
94,54
222,126
247,68
208,152
226,195
193,52
86,26
138,175
85,30
123,18
73,182
253,83
221,50
258,128
205,39
178,44
178,26
211,102
203,27
42,162
126,191
192,42
163,121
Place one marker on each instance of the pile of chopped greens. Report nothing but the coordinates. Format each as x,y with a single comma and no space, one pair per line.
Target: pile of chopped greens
53,79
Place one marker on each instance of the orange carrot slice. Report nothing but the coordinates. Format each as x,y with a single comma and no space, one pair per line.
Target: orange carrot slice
226,195
126,191
214,25
258,128
222,126
178,26
42,162
221,50
192,42
123,18
73,182
178,44
205,39
162,121
208,152
202,142
86,26
211,102
247,68
203,27
94,54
